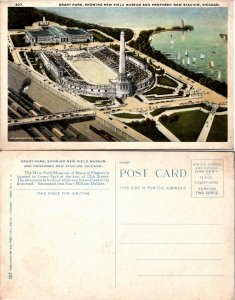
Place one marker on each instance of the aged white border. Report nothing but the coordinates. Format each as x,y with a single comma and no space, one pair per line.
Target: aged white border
5,145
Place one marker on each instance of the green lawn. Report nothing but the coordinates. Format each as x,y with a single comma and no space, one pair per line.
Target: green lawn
164,80
159,91
93,99
189,125
219,129
156,99
158,111
148,128
100,37
129,116
18,40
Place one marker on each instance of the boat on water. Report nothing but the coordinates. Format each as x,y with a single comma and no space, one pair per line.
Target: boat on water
171,42
194,60
179,54
202,56
150,38
188,61
186,52
219,75
183,61
212,64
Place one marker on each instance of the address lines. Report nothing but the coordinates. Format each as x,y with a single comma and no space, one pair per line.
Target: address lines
174,259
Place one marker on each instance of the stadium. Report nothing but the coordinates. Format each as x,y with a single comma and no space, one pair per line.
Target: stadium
98,71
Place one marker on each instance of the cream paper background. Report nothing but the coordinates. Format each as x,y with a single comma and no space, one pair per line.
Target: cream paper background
120,242
111,145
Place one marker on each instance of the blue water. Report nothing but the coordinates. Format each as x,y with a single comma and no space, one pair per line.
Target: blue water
208,24
211,45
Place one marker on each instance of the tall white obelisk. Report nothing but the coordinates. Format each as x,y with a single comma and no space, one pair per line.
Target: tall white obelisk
122,65
122,83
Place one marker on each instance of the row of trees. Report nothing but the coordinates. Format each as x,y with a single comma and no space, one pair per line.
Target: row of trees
169,119
148,128
100,37
142,44
19,17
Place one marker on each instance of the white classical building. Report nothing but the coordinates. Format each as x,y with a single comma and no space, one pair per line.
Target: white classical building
46,34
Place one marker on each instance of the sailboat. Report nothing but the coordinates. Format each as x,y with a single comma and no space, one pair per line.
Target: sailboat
211,64
194,60
202,56
178,57
183,61
171,42
188,61
219,75
186,52
150,38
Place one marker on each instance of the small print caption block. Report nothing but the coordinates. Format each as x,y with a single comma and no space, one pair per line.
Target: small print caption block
207,178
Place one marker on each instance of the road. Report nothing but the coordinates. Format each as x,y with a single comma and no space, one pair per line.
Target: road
52,117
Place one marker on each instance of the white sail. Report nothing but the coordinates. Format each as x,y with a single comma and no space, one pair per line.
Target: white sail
183,61
194,60
186,52
219,75
188,61
202,56
171,42
178,55
212,64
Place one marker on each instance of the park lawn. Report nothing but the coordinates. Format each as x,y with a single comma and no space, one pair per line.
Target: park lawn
164,80
160,91
219,129
189,125
129,116
148,128
100,37
18,40
93,99
158,111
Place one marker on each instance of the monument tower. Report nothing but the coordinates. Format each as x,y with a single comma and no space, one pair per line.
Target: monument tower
122,62
123,85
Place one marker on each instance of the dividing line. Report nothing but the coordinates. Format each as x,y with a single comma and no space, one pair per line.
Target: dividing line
115,226
125,243
61,189
181,259
162,224
178,275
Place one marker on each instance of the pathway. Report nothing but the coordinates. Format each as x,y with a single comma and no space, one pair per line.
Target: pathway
207,126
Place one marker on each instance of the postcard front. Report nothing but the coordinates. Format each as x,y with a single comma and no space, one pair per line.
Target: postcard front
149,75
131,226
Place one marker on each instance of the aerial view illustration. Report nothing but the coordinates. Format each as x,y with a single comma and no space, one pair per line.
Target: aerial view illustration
117,74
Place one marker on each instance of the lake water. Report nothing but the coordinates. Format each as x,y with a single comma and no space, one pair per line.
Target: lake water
200,51
204,39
